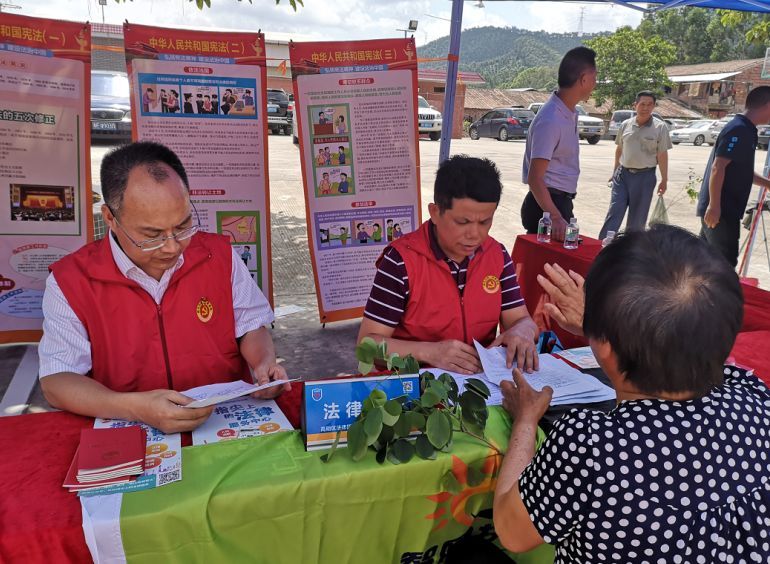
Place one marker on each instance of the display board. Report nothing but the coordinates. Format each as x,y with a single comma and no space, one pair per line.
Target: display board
202,94
357,119
45,210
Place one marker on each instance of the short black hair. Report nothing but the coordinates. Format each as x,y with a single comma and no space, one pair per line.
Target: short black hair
345,174
321,113
118,164
462,176
669,305
648,93
574,63
358,225
389,221
149,90
758,97
376,224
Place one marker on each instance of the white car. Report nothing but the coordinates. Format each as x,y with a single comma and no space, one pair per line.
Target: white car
717,128
589,128
429,119
696,133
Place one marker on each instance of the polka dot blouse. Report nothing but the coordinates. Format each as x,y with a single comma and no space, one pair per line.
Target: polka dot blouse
658,481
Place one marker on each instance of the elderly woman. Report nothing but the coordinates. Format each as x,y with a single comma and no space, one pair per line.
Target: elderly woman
679,471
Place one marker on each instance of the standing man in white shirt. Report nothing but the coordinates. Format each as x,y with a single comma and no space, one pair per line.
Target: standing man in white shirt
155,307
552,154
642,143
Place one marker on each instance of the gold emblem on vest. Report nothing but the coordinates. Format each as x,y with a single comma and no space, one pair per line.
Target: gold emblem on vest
204,310
491,284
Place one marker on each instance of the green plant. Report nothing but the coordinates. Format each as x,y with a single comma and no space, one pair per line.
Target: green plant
398,429
690,189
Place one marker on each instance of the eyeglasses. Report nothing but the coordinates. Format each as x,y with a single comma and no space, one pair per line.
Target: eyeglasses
157,242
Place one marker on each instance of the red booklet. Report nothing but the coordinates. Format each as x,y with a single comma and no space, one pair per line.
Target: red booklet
103,451
74,485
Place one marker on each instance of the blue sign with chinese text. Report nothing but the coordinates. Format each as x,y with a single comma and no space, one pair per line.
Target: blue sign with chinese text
333,405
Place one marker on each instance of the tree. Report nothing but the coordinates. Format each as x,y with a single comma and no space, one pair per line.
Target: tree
755,27
627,62
540,78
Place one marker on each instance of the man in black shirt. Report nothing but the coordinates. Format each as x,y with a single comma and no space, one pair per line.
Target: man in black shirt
730,175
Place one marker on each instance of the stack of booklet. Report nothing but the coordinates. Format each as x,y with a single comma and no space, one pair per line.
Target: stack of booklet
106,457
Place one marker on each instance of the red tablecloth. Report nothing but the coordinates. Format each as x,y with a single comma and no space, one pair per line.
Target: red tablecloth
39,520
752,350
530,256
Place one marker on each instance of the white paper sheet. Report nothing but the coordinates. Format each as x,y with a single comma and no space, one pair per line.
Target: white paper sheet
493,363
241,418
213,394
569,385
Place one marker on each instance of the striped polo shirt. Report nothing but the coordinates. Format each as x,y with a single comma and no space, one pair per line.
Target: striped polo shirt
390,290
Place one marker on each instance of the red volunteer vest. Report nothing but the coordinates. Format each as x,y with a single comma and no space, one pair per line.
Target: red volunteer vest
138,345
435,310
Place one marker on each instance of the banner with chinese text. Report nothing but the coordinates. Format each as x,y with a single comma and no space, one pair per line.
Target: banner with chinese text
202,94
45,164
357,120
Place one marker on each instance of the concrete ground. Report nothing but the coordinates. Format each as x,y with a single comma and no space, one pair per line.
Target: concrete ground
311,351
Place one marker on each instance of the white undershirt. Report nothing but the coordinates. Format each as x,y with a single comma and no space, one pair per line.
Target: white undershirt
65,346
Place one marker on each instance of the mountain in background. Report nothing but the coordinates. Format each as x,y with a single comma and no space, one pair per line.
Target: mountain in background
502,54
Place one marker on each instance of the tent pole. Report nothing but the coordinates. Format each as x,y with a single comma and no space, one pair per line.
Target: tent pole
451,80
744,268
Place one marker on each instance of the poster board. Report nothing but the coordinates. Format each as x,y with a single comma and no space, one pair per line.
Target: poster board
45,211
202,94
358,134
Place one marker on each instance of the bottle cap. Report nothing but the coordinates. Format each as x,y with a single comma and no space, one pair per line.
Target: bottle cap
546,214
573,220
610,234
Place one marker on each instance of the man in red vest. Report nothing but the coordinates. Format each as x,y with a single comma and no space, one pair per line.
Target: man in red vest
448,283
155,307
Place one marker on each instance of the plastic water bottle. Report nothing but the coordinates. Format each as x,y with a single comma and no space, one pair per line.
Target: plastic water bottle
608,239
571,236
544,228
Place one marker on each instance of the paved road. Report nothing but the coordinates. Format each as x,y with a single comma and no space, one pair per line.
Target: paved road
309,350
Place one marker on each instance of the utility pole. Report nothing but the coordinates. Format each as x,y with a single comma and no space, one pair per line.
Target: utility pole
580,23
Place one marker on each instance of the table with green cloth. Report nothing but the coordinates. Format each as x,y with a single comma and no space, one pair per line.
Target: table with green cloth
268,500
261,499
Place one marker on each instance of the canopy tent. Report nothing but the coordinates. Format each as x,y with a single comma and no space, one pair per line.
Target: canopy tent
453,58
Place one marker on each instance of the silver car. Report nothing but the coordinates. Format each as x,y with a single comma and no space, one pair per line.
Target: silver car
717,128
696,133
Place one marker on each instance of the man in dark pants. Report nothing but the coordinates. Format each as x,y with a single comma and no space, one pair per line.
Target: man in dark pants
551,157
730,175
642,145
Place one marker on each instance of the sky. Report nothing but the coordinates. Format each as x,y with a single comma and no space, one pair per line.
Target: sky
337,20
